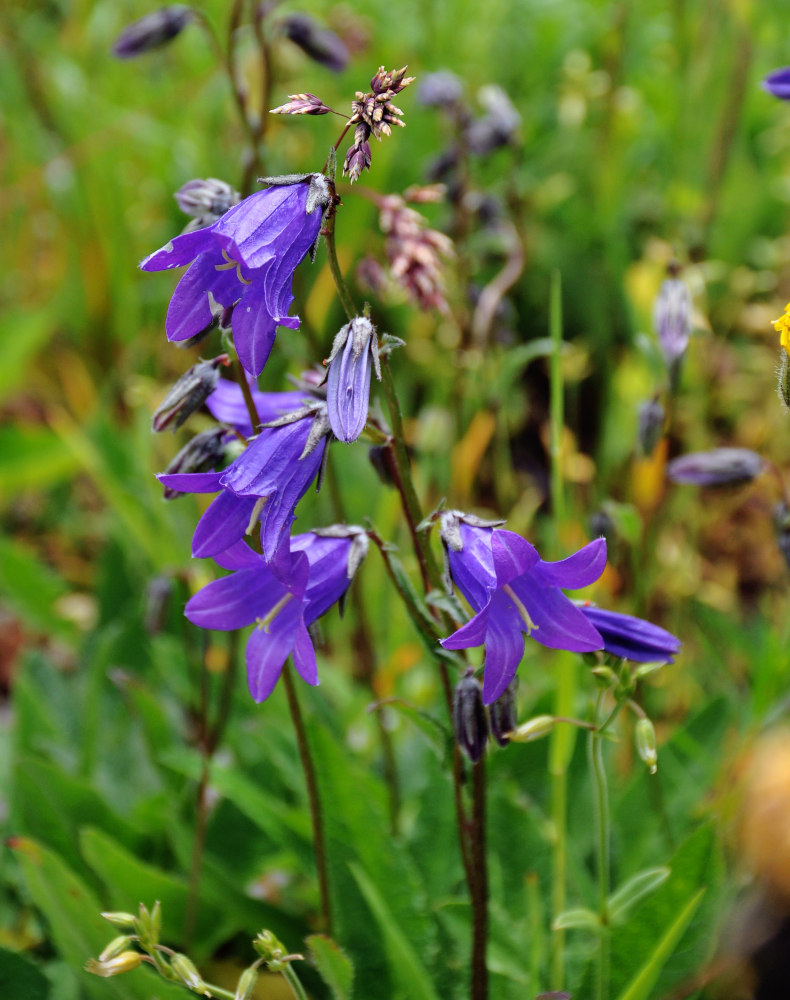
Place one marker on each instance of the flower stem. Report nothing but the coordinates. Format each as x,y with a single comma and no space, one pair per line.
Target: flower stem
557,416
602,823
560,751
293,981
319,844
249,402
479,988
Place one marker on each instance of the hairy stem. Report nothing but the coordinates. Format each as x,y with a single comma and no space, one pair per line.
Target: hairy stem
293,981
319,844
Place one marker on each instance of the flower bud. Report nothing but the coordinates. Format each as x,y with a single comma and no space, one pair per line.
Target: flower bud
497,127
152,31
271,950
778,83
115,947
188,394
533,729
348,378
651,425
645,738
187,972
783,387
124,962
320,44
126,921
246,984
469,717
206,199
203,452
502,714
719,467
782,522
442,89
672,317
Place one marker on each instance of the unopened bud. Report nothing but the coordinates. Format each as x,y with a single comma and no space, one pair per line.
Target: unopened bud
187,972
533,729
783,386
442,89
188,394
246,984
202,453
604,674
672,318
268,947
126,921
469,717
124,962
354,350
499,124
320,44
651,425
782,522
645,738
719,467
502,714
207,199
152,31
115,947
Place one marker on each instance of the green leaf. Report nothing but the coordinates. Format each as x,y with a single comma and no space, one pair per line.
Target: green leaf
634,889
333,965
21,979
642,984
31,328
437,735
31,457
577,919
406,966
32,588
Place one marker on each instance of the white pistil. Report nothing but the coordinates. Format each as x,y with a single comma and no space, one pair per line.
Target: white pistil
531,626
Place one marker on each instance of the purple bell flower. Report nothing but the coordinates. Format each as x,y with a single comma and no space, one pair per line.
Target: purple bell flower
348,378
248,256
467,543
719,467
526,598
632,638
672,316
778,83
281,597
226,404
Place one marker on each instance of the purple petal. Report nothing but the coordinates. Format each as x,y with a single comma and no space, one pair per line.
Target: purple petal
632,638
328,558
249,229
473,633
226,404
189,311
239,556
579,570
472,568
267,651
236,600
778,83
348,392
191,482
304,655
254,328
504,648
180,251
513,555
224,523
559,624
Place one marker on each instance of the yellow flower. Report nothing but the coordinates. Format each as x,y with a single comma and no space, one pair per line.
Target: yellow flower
782,327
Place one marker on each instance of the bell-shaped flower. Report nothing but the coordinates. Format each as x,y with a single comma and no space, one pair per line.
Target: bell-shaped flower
248,256
226,404
632,638
527,599
348,378
281,597
467,544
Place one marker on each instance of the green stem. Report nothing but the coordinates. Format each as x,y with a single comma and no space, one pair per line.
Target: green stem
293,981
334,265
602,825
557,416
319,844
479,986
249,402
560,751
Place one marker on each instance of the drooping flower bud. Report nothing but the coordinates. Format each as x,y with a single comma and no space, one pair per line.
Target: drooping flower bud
203,452
115,947
533,729
672,316
320,44
497,127
188,394
503,714
651,425
124,962
206,199
469,717
645,739
188,973
719,467
152,31
348,378
126,921
245,988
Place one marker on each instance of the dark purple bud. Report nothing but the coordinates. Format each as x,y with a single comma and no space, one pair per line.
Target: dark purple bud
302,104
441,166
602,525
469,717
188,394
205,451
358,154
651,425
348,378
782,522
672,317
152,31
390,81
503,715
720,467
320,44
440,90
778,83
497,127
380,460
206,200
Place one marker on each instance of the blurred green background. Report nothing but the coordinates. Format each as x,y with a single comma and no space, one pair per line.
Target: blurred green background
645,135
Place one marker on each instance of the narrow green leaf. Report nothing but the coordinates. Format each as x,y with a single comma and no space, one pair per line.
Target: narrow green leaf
642,984
31,457
32,589
333,965
406,966
577,919
634,889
